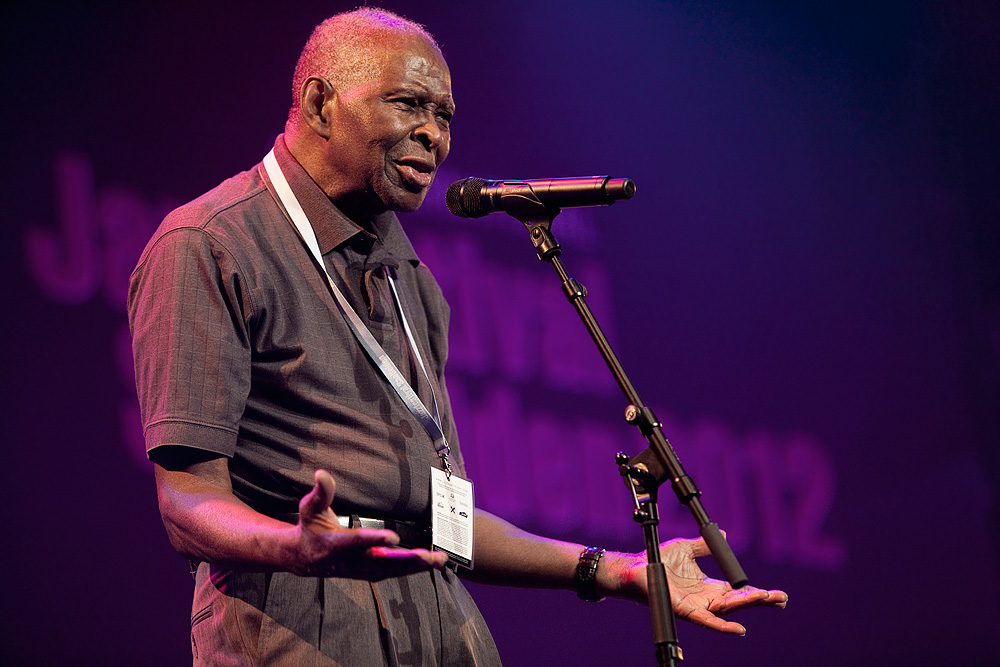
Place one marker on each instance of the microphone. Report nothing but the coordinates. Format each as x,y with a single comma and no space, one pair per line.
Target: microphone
476,197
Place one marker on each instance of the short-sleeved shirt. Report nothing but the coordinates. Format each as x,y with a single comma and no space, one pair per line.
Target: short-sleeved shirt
240,350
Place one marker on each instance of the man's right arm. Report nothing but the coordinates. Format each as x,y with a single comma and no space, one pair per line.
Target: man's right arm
205,521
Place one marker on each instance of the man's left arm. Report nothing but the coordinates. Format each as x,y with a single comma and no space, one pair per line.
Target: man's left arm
506,555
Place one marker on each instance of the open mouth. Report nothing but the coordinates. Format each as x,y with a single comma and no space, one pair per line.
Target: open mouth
417,174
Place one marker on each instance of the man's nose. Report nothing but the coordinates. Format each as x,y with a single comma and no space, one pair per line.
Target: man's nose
430,134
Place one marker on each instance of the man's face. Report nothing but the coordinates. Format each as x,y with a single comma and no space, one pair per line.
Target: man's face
390,131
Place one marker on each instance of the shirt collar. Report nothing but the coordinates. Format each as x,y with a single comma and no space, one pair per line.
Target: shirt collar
332,227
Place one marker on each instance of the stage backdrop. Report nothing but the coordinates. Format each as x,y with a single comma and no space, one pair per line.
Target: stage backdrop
805,288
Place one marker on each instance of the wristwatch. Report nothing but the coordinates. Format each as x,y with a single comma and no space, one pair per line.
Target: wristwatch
586,574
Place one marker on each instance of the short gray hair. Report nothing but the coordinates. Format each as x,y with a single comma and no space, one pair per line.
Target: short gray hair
340,48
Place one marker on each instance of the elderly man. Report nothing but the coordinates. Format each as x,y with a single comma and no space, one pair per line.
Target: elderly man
289,354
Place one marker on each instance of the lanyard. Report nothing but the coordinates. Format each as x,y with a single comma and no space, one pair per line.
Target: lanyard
371,346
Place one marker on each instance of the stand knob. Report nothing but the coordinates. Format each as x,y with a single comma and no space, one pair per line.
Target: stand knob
632,414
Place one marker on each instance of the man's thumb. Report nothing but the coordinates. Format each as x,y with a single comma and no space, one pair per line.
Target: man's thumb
321,495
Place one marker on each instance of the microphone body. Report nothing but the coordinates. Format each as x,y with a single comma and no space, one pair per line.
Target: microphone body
475,197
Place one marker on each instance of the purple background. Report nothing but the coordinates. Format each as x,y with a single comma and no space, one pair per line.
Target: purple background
806,288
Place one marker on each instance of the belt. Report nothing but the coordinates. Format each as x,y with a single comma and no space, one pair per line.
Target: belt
412,535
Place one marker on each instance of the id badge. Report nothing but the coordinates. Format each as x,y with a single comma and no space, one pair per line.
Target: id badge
452,508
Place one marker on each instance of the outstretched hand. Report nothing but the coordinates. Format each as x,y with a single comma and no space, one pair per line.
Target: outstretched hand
693,595
324,548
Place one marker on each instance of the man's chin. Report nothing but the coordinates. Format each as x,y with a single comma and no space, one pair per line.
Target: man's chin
406,201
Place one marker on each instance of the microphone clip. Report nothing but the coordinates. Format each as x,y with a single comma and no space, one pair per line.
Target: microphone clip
546,245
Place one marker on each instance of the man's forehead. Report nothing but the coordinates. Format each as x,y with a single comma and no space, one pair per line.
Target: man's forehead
408,64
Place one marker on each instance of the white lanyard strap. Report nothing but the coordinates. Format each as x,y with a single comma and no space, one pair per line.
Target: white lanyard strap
413,343
371,346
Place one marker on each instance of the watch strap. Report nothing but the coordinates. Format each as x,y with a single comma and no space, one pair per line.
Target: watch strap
586,574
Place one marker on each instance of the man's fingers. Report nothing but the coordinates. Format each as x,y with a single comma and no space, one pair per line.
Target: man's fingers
707,619
326,486
776,599
699,548
399,562
738,599
320,496
364,538
432,558
381,562
694,609
751,597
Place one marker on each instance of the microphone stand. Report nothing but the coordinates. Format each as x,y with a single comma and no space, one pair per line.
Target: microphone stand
644,473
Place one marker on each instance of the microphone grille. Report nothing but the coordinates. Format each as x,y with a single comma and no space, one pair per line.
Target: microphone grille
464,198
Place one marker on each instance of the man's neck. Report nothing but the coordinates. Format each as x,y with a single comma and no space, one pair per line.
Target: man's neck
356,206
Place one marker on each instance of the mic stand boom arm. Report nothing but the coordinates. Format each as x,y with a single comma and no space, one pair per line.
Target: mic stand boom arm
644,473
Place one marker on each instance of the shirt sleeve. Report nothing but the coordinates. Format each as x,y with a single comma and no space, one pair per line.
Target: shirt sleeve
189,313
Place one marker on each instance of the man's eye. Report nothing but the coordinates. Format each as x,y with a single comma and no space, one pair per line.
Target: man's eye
410,102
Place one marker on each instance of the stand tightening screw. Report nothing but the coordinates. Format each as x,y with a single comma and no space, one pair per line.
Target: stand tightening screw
631,414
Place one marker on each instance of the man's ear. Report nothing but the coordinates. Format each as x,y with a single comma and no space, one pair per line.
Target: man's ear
313,105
